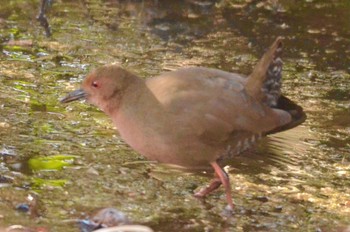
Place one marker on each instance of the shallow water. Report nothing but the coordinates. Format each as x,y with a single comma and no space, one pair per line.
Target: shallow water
74,162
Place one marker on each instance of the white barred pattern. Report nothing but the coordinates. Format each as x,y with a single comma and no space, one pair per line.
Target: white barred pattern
273,81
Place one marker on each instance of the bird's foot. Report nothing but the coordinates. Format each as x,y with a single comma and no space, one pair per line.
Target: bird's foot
224,179
215,183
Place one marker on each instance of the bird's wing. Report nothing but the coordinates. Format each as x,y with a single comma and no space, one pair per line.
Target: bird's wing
213,103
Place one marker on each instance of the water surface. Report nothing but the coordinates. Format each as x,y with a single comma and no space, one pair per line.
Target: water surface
74,162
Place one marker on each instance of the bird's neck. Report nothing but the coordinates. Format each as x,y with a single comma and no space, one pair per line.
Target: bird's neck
136,103
140,118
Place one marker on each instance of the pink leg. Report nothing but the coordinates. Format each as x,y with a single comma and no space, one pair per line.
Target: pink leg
225,181
215,183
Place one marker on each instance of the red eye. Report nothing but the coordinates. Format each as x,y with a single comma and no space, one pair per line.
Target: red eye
95,84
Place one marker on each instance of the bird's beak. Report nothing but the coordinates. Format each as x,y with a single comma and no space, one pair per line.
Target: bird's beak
75,95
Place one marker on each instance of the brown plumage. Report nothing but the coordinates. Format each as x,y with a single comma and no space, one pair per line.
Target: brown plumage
193,116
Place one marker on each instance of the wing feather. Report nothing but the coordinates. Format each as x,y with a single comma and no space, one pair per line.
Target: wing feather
213,103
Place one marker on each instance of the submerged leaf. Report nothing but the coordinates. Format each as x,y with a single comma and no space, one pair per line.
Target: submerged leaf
56,162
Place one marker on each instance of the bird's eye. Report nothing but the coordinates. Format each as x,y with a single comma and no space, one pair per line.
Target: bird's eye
95,84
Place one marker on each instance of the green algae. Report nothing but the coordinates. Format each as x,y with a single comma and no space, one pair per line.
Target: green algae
57,162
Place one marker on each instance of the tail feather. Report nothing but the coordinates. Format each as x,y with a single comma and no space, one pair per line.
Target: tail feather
264,82
296,111
273,81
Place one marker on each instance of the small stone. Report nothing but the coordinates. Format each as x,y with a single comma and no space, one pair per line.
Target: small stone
92,171
278,209
262,198
23,207
109,217
4,125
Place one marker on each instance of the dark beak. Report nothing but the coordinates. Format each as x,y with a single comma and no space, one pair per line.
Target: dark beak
75,95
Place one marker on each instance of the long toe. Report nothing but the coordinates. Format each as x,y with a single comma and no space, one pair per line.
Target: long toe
215,183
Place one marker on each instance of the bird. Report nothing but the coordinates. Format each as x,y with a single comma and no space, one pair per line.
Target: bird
194,116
